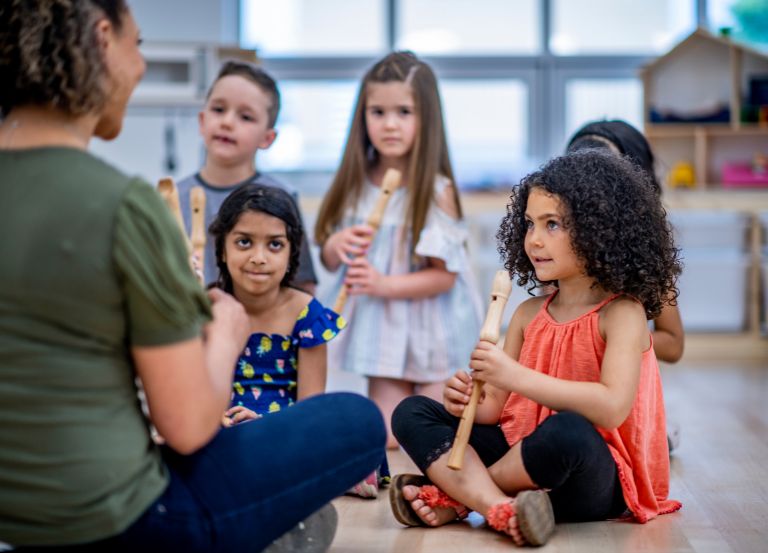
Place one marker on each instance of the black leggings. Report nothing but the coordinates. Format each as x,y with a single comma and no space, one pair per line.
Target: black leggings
565,454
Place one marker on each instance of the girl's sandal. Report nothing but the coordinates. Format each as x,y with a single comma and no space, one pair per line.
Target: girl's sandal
535,517
430,494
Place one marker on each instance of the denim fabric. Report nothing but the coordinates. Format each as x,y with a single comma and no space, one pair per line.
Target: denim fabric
255,481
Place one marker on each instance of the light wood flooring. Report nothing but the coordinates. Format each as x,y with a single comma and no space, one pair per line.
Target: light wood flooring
719,472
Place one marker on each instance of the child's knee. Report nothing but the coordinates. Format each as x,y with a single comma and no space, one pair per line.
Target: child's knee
571,432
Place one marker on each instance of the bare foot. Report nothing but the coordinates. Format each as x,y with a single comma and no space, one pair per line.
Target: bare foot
513,529
432,516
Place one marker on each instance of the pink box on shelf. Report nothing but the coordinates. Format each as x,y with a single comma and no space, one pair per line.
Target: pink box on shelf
741,175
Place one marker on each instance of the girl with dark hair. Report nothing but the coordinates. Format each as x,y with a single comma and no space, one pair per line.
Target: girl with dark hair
571,424
96,292
258,236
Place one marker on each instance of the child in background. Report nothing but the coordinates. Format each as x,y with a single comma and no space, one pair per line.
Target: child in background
414,312
237,121
571,425
258,236
623,139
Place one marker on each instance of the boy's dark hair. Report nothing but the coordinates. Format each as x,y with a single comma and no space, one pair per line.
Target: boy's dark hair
616,223
262,199
257,76
627,140
49,53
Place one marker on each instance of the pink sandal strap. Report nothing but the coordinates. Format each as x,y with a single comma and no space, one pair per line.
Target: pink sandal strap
499,515
433,497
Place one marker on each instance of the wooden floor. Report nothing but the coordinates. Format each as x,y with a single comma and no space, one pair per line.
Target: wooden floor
719,472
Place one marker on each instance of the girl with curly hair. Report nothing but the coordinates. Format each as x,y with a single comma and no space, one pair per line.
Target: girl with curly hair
571,424
623,139
95,291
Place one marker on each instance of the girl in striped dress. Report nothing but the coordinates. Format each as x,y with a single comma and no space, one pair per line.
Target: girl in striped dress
413,309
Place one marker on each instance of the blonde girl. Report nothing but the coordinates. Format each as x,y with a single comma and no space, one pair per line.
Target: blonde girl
413,311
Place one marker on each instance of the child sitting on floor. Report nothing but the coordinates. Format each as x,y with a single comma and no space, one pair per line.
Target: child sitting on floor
571,424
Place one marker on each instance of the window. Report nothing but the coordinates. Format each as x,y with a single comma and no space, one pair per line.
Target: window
487,126
619,26
312,28
312,126
594,99
453,27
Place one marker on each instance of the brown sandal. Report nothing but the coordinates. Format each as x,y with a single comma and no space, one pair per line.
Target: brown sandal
535,517
429,493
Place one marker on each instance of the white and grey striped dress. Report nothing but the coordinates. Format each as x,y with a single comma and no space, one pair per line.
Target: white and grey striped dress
423,340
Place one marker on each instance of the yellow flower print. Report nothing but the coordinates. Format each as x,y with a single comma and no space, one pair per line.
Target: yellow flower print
328,334
267,378
341,322
248,370
291,384
238,388
285,344
303,313
265,345
274,407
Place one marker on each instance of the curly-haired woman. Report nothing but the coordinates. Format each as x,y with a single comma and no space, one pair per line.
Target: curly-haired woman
96,289
571,424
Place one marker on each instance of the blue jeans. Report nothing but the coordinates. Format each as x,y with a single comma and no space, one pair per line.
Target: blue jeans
255,481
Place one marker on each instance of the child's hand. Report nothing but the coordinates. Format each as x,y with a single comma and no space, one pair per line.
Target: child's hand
456,394
351,242
363,278
197,268
238,414
490,364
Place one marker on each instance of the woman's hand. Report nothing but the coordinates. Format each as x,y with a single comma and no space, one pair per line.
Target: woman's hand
238,414
230,321
490,364
363,278
456,393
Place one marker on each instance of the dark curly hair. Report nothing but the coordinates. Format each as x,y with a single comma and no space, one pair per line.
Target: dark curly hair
49,53
261,199
616,223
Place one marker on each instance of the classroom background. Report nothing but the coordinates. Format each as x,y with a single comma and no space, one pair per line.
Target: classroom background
517,78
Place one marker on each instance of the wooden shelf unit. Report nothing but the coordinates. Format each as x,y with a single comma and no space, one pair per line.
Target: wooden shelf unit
703,70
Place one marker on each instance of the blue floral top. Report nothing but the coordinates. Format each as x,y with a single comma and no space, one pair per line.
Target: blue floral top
266,373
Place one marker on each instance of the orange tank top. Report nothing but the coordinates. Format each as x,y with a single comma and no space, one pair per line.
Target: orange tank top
574,351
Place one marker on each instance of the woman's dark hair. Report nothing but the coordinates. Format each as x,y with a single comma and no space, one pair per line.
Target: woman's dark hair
616,223
625,138
261,199
49,53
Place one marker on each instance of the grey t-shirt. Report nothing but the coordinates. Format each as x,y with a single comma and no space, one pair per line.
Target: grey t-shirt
214,197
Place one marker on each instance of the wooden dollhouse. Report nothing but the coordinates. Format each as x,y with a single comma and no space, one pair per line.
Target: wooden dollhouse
706,117
701,111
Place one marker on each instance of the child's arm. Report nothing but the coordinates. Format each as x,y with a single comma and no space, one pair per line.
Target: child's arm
312,371
605,403
363,278
492,400
344,245
668,335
